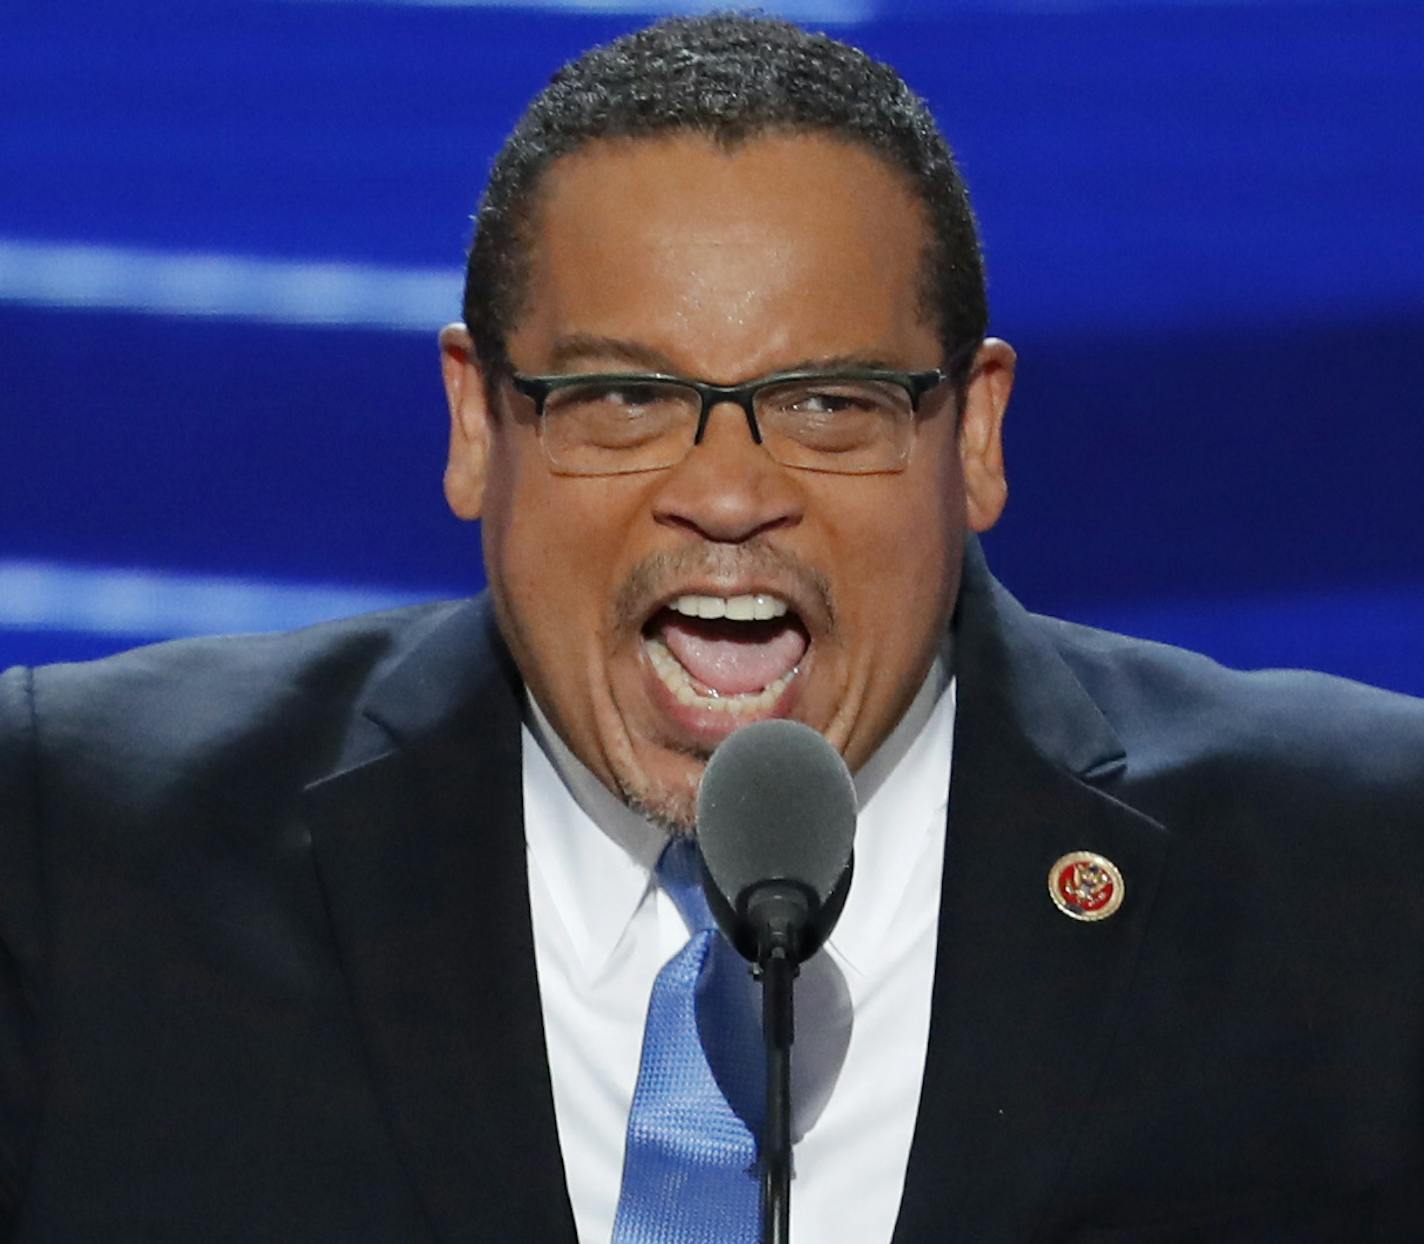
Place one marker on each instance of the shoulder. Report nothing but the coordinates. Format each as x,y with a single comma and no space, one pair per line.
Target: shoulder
266,711
1182,715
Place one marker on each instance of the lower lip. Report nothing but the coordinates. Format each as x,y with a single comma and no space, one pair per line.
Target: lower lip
706,727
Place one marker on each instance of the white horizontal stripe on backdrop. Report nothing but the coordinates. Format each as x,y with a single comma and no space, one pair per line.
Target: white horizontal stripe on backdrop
113,600
832,12
276,291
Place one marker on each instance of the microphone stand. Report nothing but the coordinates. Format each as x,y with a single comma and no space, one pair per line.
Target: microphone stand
780,914
778,971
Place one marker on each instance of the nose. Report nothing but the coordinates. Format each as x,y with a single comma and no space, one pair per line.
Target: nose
728,489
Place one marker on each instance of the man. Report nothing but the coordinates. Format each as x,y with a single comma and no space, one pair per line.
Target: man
350,934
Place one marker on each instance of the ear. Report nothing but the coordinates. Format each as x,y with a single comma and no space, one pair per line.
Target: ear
468,463
981,433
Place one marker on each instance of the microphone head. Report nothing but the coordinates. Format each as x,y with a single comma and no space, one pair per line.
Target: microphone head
776,819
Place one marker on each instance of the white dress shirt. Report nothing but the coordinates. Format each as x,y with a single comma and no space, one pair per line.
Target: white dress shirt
603,930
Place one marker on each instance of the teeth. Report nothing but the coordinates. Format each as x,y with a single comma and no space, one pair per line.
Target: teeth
758,608
695,695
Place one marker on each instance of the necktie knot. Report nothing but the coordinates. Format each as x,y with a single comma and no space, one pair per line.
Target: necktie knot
680,874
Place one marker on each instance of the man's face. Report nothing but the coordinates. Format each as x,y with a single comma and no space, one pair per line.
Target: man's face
673,256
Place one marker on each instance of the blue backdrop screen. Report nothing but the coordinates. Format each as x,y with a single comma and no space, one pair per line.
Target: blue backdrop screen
230,230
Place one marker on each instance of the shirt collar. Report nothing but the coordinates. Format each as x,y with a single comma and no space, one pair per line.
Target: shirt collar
903,793
595,854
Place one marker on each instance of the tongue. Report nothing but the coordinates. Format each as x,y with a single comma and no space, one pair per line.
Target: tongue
734,657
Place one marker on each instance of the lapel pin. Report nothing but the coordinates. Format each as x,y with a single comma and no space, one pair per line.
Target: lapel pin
1085,886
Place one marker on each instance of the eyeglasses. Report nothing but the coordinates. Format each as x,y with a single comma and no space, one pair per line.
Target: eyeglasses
851,422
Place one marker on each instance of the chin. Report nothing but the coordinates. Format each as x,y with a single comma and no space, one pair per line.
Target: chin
676,818
674,812
670,804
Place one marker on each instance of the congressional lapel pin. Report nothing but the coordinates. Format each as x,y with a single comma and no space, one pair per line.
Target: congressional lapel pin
1085,886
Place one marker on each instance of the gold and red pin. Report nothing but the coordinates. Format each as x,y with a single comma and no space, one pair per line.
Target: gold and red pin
1085,885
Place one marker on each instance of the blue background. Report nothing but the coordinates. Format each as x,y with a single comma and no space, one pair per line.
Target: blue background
1203,225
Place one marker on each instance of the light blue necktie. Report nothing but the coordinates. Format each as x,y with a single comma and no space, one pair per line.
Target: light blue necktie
689,1170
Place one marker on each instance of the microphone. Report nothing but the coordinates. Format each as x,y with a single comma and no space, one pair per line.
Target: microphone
776,825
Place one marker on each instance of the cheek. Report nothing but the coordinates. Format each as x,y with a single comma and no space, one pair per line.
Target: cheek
552,551
900,553
520,532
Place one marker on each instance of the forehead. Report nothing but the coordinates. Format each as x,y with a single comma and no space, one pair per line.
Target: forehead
783,248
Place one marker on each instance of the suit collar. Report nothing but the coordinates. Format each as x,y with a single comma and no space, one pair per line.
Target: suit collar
1016,675
1026,1000
419,846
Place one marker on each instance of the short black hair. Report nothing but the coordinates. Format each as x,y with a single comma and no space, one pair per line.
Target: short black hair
730,77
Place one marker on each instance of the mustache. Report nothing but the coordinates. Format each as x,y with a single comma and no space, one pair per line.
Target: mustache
653,577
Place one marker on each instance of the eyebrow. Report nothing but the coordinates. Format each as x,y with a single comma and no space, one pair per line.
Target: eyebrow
591,348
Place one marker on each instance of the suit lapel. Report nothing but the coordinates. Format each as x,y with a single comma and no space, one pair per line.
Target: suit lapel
420,848
1025,999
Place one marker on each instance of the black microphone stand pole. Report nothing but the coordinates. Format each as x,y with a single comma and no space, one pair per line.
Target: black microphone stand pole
780,913
778,1028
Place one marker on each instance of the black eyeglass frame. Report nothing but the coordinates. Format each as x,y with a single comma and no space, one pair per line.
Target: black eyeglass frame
957,370
915,383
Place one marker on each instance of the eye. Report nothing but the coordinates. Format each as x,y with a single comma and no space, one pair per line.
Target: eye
630,394
821,403
827,400
618,413
831,418
624,397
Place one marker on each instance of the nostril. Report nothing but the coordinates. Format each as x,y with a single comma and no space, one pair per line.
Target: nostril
724,511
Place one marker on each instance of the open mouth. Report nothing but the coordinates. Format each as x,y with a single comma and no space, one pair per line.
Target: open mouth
726,654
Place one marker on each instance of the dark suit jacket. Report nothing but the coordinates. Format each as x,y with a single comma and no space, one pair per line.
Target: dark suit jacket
266,965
